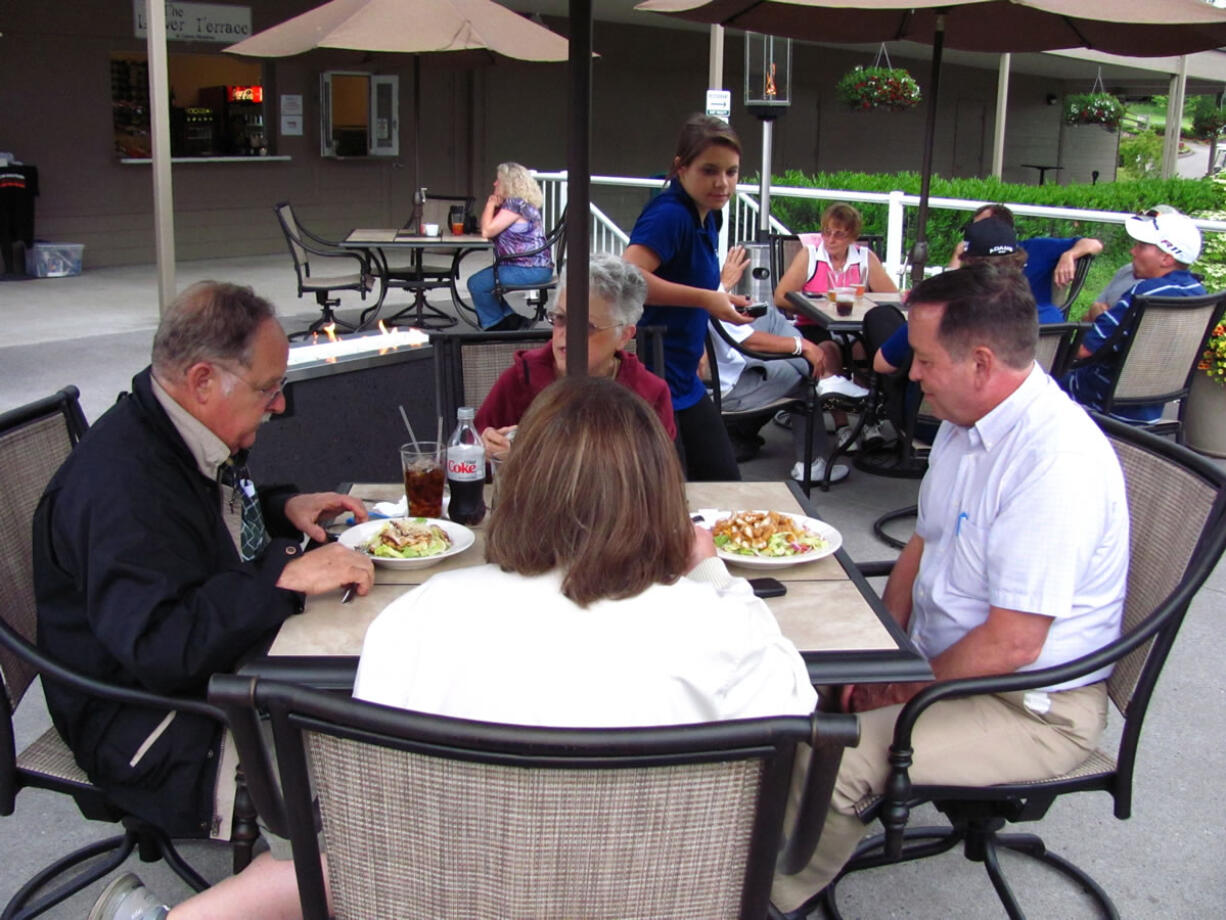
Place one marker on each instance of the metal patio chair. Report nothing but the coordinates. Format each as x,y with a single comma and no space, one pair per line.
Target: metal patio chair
1177,507
425,816
303,245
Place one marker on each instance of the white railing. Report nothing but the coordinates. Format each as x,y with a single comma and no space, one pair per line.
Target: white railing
742,221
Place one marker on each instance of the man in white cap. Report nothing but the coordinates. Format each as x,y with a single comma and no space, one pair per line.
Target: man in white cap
1123,279
1166,245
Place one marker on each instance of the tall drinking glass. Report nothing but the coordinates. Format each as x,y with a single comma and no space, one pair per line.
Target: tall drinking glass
424,476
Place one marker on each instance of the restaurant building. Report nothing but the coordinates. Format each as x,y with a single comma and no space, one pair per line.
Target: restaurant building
248,133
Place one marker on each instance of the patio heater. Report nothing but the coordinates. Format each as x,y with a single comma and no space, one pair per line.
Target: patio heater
768,93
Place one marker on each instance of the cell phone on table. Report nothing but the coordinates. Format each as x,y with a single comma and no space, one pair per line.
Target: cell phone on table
755,310
768,587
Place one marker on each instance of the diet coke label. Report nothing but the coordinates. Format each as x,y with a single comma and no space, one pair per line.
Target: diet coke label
466,462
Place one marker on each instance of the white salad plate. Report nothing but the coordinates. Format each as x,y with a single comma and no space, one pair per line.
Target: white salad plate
359,535
832,538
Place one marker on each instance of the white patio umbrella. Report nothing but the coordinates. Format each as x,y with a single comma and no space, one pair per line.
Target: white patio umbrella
408,27
1139,28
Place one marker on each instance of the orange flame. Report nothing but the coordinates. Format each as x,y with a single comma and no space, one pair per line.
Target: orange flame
330,330
383,328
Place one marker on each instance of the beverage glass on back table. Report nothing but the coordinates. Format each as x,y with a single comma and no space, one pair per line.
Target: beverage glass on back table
424,475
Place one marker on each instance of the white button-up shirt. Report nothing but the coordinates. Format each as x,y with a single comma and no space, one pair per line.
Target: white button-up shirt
1024,510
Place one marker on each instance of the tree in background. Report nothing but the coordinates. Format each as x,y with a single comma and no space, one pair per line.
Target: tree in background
1208,122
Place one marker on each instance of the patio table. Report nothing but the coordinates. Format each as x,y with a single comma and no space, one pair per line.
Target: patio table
830,612
377,241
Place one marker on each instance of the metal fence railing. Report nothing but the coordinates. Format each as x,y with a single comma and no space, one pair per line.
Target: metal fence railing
742,216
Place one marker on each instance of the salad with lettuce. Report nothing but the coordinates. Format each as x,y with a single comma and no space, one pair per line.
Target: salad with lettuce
406,538
766,534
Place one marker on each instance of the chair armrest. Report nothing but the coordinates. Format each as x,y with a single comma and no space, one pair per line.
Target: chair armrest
235,695
747,352
51,669
876,569
832,732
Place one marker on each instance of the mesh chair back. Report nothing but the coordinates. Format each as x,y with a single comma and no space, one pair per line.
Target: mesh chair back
481,365
34,441
1053,348
784,248
1164,346
427,817
1169,506
437,210
293,238
1066,298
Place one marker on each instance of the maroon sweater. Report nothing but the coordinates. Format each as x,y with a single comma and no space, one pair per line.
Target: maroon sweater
534,370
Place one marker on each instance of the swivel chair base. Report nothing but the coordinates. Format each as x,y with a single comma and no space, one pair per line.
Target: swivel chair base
980,838
326,318
150,843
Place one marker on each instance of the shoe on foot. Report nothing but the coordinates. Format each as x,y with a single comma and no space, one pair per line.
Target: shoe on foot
837,473
840,386
508,323
841,435
127,898
783,418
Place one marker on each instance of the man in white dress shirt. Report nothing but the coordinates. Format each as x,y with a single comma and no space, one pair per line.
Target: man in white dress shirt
1018,562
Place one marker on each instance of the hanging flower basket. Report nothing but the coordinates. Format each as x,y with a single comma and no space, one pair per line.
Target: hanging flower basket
865,88
1093,109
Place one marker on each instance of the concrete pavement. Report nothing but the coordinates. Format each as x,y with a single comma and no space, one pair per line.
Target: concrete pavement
1165,862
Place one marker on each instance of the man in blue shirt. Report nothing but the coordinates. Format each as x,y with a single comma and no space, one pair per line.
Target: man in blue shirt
1050,261
1167,244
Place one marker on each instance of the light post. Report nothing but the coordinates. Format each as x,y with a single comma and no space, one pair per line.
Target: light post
768,93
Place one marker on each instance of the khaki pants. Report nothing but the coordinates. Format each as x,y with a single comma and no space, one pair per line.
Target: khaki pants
975,741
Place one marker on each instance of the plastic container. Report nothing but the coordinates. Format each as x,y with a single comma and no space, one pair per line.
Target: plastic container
54,260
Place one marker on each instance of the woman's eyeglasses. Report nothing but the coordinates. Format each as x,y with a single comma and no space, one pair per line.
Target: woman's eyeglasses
835,233
558,321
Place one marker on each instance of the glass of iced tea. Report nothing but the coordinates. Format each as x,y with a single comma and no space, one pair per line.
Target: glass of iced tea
424,476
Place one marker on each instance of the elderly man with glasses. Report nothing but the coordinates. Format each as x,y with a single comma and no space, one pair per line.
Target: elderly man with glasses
158,563
615,304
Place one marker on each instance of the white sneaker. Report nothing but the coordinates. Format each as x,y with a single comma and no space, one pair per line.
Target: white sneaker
841,435
837,473
840,386
783,418
127,898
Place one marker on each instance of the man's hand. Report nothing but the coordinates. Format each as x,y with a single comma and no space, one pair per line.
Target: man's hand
496,441
865,697
734,266
1097,309
1065,268
724,306
305,510
956,260
813,353
326,569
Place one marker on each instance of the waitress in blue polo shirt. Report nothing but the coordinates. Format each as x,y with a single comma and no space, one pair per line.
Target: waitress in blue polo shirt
675,242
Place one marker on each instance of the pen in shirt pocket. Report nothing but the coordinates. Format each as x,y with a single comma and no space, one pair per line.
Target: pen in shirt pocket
962,516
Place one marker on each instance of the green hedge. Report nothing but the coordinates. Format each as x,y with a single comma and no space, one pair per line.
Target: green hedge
1198,197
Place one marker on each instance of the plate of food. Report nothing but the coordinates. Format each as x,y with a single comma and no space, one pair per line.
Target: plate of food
408,543
771,539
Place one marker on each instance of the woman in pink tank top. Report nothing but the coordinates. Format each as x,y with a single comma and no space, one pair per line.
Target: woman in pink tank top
831,259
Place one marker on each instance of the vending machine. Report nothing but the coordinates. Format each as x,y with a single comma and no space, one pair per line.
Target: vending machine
240,118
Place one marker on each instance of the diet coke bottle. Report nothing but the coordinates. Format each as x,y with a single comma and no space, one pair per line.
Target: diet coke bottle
466,471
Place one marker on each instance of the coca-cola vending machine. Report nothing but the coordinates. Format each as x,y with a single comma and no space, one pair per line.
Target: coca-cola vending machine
240,119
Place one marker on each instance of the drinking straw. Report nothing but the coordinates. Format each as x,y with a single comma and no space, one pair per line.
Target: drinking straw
412,437
438,439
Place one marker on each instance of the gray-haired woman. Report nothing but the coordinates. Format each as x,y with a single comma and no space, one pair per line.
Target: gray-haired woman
615,303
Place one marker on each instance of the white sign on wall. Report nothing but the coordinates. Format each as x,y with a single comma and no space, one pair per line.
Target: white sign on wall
198,22
719,103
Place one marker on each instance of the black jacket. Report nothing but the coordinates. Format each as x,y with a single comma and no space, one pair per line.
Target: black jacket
138,583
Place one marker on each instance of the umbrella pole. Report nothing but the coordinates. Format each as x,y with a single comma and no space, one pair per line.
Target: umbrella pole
579,187
919,252
417,183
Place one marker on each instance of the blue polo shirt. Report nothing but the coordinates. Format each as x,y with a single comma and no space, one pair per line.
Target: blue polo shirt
1089,385
1042,254
669,227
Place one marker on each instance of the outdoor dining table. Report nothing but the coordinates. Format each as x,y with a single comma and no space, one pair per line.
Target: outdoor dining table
377,241
822,311
830,613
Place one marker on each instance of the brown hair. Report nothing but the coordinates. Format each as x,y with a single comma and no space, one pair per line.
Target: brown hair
209,321
697,134
985,303
998,211
592,486
1015,260
847,217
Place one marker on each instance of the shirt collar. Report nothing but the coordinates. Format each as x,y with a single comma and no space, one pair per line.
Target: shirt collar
208,450
675,188
1000,421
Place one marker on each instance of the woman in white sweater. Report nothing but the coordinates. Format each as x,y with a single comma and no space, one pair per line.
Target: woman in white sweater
600,604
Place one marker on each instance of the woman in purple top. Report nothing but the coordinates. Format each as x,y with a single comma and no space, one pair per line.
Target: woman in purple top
512,219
